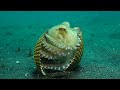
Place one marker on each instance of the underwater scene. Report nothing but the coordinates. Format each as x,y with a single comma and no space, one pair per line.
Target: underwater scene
60,44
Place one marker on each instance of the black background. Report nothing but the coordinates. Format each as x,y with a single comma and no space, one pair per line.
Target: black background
60,5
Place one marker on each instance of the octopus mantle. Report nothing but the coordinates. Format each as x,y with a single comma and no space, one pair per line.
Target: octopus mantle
59,49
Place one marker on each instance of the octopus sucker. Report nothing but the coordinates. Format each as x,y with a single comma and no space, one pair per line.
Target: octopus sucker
59,45
54,50
59,49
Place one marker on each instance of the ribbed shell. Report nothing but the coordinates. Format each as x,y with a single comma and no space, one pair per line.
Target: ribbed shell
38,57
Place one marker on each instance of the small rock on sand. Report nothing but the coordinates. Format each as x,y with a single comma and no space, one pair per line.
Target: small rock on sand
26,74
17,62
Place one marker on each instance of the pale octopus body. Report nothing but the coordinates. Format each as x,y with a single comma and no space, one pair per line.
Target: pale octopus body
59,49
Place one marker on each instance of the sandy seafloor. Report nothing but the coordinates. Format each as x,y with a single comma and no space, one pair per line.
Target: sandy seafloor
20,30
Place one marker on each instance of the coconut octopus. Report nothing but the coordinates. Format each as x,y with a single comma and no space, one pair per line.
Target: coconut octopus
59,49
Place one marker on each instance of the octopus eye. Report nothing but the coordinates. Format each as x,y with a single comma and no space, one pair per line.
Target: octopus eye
62,29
